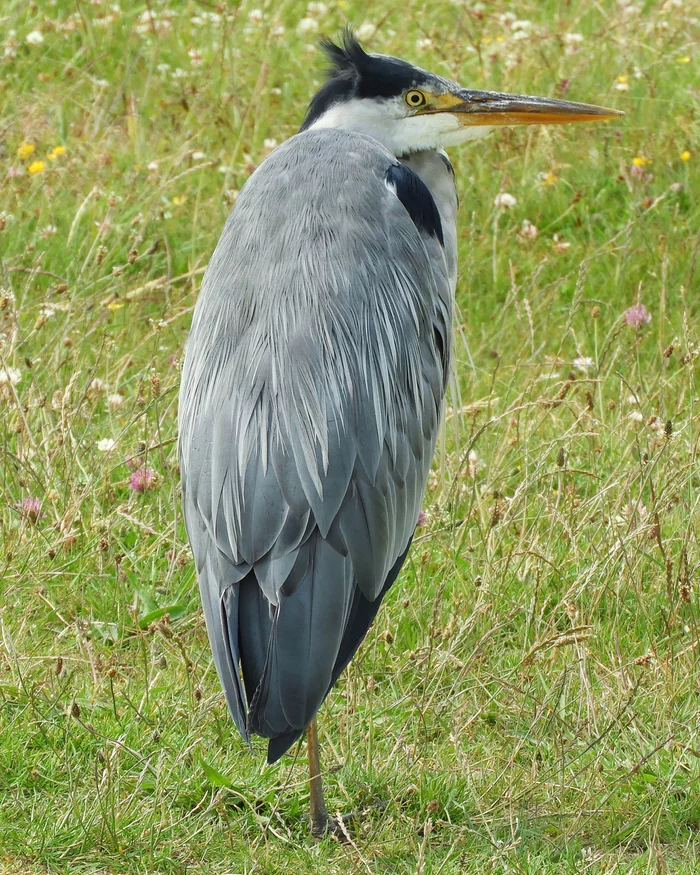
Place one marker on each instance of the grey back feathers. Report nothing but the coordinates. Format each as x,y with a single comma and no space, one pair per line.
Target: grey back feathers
310,404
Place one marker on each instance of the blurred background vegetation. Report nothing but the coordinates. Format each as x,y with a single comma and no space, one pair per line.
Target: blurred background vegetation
527,701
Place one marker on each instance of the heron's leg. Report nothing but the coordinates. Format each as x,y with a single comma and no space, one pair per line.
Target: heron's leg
319,814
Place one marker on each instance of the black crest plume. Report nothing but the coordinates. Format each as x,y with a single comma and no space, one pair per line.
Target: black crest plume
353,73
348,58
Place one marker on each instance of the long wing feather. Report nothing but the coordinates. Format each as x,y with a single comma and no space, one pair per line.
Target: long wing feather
309,408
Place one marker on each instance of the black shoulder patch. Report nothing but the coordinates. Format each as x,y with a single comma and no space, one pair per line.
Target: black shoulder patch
415,195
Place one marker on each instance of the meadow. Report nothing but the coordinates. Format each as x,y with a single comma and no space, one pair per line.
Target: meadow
528,700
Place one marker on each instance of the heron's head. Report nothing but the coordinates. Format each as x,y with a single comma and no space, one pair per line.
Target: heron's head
409,109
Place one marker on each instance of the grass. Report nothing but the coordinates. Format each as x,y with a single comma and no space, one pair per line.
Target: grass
527,701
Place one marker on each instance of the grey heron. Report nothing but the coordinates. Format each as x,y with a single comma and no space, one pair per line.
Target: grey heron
314,378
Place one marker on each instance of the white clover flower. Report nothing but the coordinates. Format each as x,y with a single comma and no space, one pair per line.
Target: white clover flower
365,30
528,231
35,38
115,400
317,9
270,143
307,25
572,41
255,16
279,30
106,445
198,156
10,375
423,44
152,166
504,200
583,363
636,416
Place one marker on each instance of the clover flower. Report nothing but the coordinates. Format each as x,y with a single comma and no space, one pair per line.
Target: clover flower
528,230
505,200
31,508
637,316
10,375
143,479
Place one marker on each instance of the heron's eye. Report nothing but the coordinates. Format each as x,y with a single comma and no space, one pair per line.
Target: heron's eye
415,98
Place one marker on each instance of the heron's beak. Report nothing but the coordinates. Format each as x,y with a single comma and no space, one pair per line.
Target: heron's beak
491,108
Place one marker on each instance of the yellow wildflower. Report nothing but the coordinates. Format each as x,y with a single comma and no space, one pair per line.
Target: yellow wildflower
25,150
550,178
622,79
487,40
641,161
36,167
685,155
500,38
56,152
115,305
179,200
685,59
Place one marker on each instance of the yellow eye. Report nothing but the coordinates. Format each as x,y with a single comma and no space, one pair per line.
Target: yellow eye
415,98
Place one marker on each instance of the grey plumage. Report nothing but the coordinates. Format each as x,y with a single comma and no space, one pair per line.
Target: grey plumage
310,404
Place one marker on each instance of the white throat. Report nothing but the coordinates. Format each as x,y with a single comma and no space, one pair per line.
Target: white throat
386,121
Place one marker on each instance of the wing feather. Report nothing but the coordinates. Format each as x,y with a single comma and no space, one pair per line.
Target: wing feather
309,410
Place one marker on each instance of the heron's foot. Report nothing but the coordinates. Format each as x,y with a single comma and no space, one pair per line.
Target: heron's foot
339,827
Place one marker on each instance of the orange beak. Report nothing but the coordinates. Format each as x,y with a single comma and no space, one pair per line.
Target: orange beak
490,108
